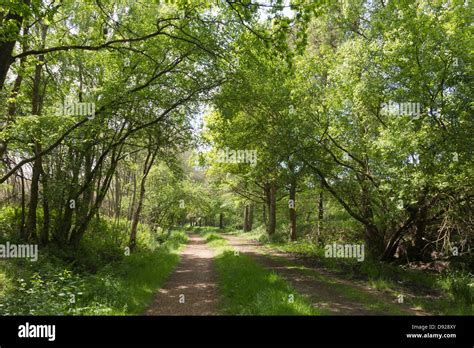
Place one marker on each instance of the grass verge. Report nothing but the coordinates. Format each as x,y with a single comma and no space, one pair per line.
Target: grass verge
125,287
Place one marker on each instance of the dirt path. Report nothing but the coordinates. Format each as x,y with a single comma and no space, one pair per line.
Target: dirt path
191,289
320,293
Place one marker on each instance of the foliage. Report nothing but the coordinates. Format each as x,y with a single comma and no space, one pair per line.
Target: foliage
123,287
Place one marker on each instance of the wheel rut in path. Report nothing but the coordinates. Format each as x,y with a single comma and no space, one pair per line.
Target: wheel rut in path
192,287
320,293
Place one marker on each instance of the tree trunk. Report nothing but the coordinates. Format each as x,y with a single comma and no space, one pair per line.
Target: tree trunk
373,238
62,232
6,47
250,217
134,197
36,103
79,231
267,207
420,230
246,218
118,197
264,215
373,241
30,230
136,216
272,209
221,221
292,209
23,206
37,164
83,207
12,105
319,227
44,237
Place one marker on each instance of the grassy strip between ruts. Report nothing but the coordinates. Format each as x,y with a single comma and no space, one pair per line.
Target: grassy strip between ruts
249,289
452,295
369,301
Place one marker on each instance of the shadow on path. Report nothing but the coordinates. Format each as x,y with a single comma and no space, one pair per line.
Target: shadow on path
191,288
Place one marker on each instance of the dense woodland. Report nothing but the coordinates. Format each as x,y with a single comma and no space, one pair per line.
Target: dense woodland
125,123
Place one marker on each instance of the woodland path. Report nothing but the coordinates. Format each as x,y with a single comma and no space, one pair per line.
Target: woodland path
191,288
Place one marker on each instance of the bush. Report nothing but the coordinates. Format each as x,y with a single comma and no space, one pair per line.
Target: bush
9,222
119,284
45,293
461,287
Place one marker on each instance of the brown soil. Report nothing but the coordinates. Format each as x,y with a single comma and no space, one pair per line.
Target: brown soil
319,293
191,289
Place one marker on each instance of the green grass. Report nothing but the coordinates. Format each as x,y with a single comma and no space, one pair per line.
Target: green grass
134,283
453,291
249,289
215,240
124,287
369,301
98,278
352,293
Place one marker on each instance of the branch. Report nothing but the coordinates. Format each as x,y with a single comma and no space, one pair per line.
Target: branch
93,48
44,152
337,197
